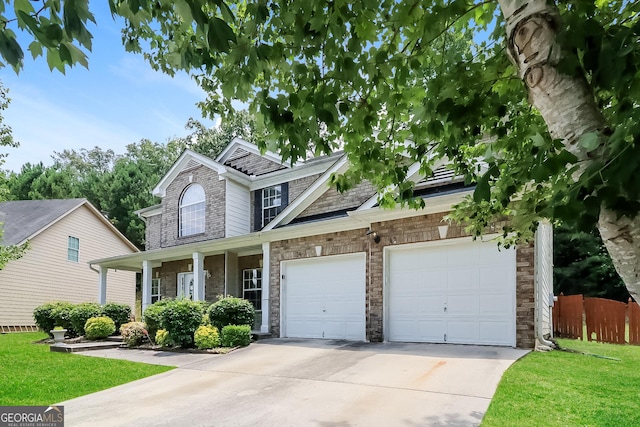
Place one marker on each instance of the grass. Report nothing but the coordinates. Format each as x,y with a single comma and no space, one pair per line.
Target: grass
567,389
32,375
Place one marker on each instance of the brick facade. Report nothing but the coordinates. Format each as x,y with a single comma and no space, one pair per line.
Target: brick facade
397,232
162,230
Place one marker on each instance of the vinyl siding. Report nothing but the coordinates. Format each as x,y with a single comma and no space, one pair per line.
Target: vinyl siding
238,210
44,274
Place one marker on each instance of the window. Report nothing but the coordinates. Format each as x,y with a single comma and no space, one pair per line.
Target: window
155,290
271,201
252,287
192,211
73,249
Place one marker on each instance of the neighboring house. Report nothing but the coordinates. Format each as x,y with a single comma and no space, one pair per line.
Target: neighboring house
63,236
319,264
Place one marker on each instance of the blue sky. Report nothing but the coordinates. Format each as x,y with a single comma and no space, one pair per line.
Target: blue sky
117,101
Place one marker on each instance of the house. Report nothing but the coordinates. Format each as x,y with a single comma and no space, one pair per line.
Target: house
63,236
319,264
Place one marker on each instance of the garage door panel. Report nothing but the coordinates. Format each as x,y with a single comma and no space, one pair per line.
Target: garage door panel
324,297
462,305
462,331
495,304
462,278
476,283
429,305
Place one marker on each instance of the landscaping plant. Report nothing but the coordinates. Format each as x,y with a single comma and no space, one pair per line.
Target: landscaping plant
206,337
236,335
181,318
153,315
99,328
52,314
83,312
162,338
133,333
119,313
231,311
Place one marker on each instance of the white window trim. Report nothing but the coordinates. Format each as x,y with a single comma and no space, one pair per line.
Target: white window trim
158,295
245,280
76,250
182,206
266,197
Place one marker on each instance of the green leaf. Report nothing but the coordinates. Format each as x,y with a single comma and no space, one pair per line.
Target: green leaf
589,141
220,35
483,189
538,140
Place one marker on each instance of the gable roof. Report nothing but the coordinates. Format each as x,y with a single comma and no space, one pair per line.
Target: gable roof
25,219
187,159
239,146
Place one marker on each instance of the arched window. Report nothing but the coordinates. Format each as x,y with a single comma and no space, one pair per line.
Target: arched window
192,210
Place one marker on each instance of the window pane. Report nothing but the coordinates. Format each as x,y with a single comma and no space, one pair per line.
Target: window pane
193,194
73,249
192,211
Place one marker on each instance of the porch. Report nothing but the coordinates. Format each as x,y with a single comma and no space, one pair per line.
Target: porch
201,271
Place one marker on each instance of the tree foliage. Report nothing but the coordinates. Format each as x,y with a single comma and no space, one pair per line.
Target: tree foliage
369,76
581,265
120,184
7,252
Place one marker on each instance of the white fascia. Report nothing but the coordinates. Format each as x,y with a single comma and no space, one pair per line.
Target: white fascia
188,155
248,146
309,195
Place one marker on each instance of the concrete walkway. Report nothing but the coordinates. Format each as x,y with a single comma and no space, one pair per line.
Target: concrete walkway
286,382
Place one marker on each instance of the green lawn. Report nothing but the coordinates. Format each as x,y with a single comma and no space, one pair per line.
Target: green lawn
564,389
32,375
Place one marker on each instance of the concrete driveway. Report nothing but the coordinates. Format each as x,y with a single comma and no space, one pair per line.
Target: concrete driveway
286,382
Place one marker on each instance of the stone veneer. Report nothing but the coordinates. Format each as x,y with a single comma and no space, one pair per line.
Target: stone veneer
397,232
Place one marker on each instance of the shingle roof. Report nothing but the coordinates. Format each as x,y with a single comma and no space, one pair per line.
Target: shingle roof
24,218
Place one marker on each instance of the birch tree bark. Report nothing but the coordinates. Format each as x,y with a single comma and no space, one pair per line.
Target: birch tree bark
569,110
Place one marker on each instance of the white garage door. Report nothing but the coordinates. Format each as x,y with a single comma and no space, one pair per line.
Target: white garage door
460,293
324,297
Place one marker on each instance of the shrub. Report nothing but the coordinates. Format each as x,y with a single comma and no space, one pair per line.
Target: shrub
153,315
236,335
52,314
206,337
181,318
162,338
231,311
119,313
99,327
133,333
83,312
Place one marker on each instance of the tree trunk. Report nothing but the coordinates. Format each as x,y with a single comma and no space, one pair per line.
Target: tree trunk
568,107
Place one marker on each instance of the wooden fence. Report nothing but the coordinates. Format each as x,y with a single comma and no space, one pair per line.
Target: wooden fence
605,320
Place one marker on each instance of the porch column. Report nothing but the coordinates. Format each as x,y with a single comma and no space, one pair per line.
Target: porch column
198,276
102,285
147,271
266,263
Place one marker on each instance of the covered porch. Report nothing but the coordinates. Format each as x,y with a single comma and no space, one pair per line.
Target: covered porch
202,271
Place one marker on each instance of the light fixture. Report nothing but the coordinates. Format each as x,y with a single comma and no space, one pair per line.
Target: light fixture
374,235
318,250
190,266
260,263
443,230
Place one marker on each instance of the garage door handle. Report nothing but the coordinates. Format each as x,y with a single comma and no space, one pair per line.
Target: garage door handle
445,309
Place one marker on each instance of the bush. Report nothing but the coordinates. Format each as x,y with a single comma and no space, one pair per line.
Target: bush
162,338
83,312
133,333
231,311
153,315
52,314
99,328
181,318
119,313
206,337
236,335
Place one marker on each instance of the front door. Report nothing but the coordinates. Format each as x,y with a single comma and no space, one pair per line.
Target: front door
185,285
